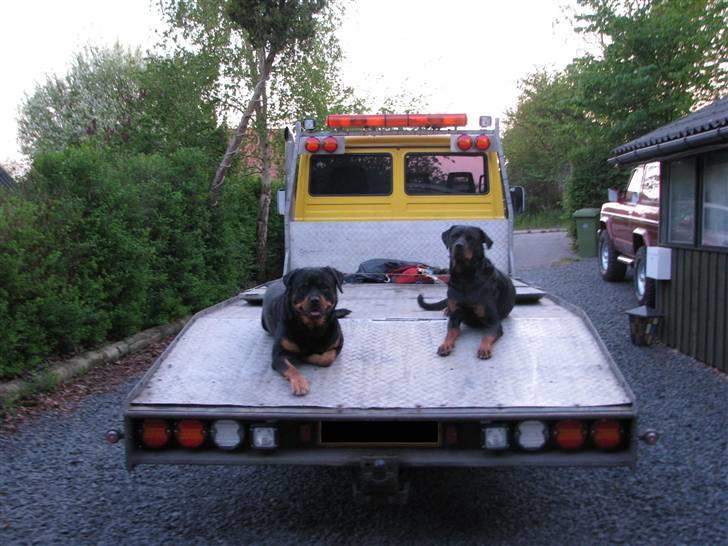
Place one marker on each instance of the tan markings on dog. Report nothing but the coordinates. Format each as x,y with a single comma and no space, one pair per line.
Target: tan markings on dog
452,305
303,308
299,385
449,344
479,311
290,346
485,350
324,360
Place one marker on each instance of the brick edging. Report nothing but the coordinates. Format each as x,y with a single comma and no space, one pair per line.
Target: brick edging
63,371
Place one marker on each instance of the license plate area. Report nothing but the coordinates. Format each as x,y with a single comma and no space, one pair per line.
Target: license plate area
379,433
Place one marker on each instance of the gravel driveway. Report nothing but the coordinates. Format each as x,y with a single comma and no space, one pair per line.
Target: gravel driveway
60,484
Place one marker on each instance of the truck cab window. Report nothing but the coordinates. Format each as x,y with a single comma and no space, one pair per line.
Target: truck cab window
445,174
635,185
350,174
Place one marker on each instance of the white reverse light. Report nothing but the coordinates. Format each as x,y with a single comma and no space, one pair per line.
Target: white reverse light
227,434
264,437
532,434
495,437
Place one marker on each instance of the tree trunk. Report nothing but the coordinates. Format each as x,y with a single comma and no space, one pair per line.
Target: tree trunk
261,245
233,147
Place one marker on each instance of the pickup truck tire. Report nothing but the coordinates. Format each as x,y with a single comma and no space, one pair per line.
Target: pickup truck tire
644,287
610,268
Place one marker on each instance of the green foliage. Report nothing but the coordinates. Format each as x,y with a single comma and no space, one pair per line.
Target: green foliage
541,220
659,59
102,243
538,133
97,96
274,26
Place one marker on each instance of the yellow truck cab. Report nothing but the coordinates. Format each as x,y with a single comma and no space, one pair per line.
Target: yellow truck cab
387,186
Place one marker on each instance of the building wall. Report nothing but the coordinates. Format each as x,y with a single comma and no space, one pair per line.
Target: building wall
695,305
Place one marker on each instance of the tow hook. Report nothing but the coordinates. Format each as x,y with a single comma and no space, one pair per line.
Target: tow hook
379,480
650,437
113,436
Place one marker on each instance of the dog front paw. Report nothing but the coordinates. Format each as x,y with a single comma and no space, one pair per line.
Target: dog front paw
299,385
445,349
484,354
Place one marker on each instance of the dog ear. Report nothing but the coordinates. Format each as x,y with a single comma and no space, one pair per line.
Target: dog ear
446,236
288,277
485,239
338,277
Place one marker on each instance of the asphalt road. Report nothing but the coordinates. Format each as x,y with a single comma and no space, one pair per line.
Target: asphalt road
60,484
534,249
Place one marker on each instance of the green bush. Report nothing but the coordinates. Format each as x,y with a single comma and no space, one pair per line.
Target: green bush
100,244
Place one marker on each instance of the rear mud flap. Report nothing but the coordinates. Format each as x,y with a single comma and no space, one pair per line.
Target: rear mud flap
380,480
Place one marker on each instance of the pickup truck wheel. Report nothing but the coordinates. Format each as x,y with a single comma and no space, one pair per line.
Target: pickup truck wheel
644,287
610,268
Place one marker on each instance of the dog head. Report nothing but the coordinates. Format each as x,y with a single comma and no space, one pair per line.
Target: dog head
465,243
311,294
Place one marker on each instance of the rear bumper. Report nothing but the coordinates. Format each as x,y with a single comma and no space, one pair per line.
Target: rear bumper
406,458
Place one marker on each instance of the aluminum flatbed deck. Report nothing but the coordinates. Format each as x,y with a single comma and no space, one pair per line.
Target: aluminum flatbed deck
550,358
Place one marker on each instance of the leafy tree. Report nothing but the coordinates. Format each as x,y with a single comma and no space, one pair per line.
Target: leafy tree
659,59
96,97
539,132
155,104
284,55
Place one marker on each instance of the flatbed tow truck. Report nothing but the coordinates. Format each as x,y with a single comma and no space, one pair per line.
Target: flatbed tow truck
370,187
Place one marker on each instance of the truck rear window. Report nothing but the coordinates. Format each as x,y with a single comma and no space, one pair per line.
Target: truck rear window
438,174
353,174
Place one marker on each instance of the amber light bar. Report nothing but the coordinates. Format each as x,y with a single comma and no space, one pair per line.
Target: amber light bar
341,121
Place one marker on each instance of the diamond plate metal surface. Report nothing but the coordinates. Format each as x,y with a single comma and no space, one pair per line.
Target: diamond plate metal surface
548,357
345,245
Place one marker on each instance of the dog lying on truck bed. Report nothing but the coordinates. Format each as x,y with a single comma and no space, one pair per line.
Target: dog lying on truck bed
478,294
300,312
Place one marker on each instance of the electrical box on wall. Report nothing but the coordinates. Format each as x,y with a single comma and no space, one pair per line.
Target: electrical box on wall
659,263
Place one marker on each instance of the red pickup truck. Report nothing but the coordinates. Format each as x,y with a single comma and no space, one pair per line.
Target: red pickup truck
627,226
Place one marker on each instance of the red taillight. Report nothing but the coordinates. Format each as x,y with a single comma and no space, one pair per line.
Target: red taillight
190,433
330,144
312,145
465,142
569,434
155,433
482,142
607,433
396,120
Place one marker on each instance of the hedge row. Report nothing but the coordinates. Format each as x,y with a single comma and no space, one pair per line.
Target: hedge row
99,245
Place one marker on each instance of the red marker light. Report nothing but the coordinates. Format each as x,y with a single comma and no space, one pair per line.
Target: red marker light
155,433
312,145
482,142
330,144
190,433
465,142
569,434
607,433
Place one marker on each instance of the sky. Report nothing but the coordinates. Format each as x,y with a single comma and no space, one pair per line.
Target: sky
461,56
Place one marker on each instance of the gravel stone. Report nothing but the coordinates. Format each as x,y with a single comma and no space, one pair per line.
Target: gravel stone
60,483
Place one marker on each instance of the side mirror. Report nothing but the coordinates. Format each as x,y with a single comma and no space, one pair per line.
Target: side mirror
518,199
281,202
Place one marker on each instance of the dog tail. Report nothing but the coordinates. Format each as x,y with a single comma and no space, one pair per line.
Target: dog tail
341,313
438,306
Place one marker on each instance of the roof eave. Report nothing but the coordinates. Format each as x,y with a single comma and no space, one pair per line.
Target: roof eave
664,149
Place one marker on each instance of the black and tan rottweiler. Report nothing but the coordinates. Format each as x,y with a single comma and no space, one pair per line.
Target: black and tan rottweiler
300,312
478,294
